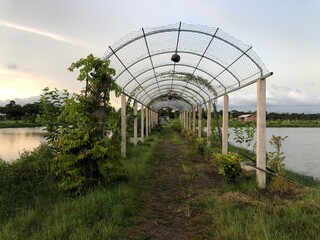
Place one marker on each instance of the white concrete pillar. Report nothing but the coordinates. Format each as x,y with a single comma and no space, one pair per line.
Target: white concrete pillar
261,133
194,120
199,120
149,117
225,121
123,126
135,124
190,119
187,120
142,123
147,122
209,124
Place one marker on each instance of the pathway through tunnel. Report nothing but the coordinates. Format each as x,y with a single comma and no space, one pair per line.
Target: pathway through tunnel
170,207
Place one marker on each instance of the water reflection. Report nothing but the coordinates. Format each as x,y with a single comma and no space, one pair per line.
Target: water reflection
14,141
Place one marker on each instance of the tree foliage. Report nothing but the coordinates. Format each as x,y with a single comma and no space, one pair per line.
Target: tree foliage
84,128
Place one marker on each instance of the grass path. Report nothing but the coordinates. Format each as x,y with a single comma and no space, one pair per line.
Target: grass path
169,209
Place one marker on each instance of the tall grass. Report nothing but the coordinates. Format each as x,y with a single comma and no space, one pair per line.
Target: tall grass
31,207
234,215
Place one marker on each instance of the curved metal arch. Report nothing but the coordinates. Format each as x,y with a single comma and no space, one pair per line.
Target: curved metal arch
173,94
186,52
173,97
183,30
168,92
171,64
177,80
230,64
168,103
178,87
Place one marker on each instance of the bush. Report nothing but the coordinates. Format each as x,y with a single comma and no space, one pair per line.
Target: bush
229,165
201,146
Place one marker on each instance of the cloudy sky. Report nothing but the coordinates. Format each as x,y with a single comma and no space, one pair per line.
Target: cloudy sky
39,39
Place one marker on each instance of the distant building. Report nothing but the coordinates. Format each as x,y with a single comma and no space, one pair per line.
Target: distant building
248,117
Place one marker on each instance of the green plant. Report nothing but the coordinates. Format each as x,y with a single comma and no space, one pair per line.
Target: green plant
52,103
275,160
230,165
200,146
244,135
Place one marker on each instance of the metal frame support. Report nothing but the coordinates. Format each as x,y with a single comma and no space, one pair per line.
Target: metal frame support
135,123
199,120
261,133
123,126
225,120
209,124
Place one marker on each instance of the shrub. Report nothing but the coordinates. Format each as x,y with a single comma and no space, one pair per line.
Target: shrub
201,146
229,165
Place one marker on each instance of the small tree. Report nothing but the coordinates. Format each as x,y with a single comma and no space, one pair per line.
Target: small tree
278,184
84,154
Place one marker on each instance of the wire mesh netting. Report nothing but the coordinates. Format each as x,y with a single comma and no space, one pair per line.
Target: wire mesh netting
212,63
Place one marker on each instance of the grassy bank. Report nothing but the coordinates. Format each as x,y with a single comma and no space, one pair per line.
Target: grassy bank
242,211
33,208
17,124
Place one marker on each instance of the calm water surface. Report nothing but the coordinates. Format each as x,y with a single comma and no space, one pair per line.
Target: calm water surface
15,140
301,148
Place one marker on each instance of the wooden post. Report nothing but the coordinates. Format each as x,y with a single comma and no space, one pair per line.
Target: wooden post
199,120
123,126
261,133
142,123
225,120
135,124
209,124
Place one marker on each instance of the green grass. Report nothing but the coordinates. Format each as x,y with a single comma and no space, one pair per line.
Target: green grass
33,208
237,215
17,124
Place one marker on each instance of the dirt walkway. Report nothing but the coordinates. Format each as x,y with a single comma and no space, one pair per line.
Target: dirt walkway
170,208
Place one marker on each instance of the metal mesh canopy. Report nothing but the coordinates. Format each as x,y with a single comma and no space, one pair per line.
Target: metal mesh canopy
212,63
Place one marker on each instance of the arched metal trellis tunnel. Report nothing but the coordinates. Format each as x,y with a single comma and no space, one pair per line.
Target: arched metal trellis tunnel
185,66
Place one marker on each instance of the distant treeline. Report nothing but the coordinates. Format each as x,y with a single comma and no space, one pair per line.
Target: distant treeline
272,116
29,113
15,111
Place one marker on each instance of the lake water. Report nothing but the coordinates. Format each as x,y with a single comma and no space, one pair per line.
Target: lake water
301,148
15,140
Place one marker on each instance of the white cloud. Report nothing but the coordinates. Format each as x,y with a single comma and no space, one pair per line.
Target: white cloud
43,33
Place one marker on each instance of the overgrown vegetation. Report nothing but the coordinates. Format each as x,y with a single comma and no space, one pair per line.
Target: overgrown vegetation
32,207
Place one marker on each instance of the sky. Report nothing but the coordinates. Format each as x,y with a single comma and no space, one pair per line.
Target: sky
39,39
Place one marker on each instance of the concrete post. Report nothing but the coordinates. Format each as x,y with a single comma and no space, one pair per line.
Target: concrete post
187,120
225,120
142,123
149,117
209,124
261,132
135,124
190,120
147,122
123,126
194,120
199,120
